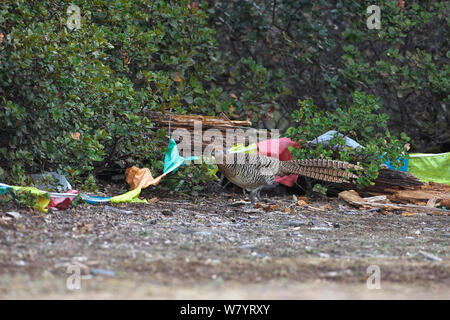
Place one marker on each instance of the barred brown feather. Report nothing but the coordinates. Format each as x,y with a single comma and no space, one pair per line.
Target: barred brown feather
251,171
320,169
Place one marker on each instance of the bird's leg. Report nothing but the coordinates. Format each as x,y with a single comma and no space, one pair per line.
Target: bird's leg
225,185
222,177
309,188
267,186
253,197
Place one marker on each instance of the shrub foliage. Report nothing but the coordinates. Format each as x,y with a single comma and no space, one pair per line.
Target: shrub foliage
72,99
325,51
362,122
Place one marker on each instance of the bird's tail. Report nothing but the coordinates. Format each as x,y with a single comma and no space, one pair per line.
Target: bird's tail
320,169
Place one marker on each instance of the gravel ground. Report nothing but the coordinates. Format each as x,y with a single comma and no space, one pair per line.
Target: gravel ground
214,246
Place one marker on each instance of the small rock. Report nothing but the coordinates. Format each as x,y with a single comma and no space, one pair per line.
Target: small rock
61,265
212,261
352,212
182,230
246,246
294,223
14,214
20,263
320,229
250,210
115,210
203,233
430,256
167,212
257,254
80,258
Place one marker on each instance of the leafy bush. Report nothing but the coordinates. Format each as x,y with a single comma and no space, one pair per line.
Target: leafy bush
72,100
76,100
361,122
325,51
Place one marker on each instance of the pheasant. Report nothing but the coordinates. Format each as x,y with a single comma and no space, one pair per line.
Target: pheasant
253,172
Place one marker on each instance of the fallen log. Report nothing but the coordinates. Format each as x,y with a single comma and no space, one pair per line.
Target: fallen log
388,183
194,132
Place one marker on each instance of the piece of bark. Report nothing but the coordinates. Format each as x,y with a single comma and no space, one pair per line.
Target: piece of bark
427,194
409,195
436,186
406,207
432,202
376,199
354,198
350,196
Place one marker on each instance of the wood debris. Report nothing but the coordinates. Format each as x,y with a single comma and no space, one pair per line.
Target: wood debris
430,195
302,203
271,207
385,203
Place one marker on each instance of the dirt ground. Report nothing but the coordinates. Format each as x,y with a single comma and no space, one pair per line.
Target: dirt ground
214,247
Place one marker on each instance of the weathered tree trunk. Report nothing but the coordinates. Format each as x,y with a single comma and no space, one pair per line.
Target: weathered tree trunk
200,131
388,183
